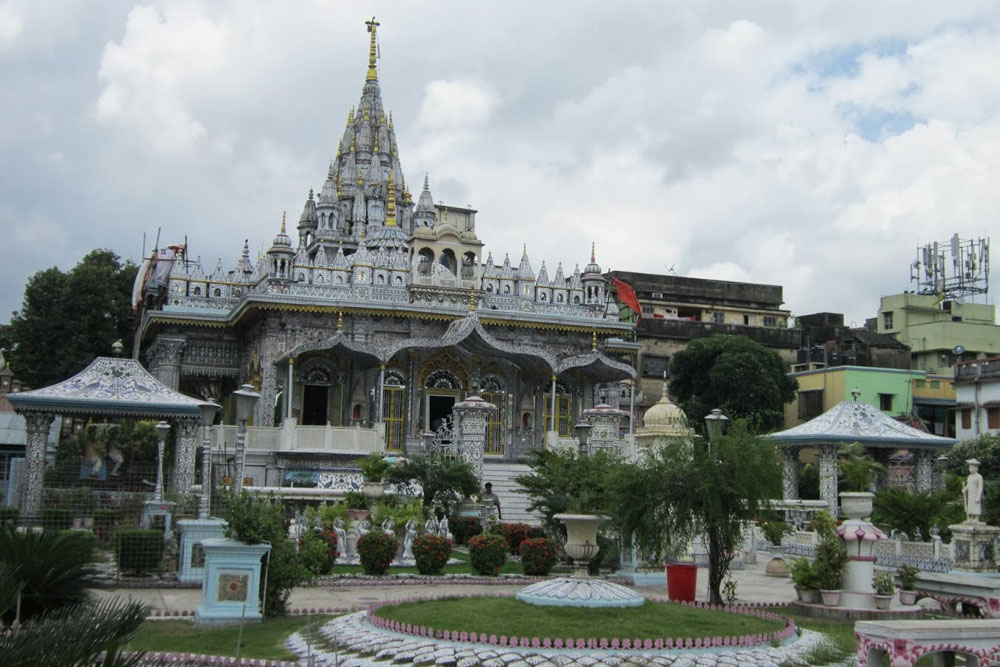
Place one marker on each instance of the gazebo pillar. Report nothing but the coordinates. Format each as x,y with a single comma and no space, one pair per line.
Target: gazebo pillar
925,469
185,444
790,474
828,476
37,427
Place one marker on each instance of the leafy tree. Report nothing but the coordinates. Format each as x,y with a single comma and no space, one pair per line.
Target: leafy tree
50,568
712,488
570,482
442,481
67,319
897,508
740,376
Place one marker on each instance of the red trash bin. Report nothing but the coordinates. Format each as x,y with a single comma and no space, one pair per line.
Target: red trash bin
682,581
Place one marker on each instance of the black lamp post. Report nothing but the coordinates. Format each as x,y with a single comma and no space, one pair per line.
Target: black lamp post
582,430
715,423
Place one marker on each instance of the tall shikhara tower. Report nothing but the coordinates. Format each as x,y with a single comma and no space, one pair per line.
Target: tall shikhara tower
365,195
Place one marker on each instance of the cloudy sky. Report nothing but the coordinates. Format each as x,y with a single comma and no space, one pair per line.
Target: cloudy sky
812,145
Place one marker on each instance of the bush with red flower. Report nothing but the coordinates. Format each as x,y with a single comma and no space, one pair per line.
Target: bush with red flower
318,550
376,550
538,556
487,553
431,553
515,533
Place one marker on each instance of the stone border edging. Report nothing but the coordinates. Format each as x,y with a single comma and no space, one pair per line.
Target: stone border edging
198,659
627,643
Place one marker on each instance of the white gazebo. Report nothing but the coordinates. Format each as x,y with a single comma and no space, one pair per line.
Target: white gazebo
111,387
847,422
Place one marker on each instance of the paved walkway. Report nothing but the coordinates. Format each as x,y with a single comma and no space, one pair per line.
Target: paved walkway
752,585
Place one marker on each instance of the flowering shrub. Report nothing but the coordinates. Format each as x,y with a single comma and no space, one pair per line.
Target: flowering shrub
538,555
318,550
464,527
431,553
515,533
376,550
487,553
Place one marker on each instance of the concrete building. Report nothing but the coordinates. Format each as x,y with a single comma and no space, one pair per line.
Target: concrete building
939,332
977,395
677,310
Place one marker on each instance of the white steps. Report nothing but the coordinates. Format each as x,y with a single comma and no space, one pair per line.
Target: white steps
513,503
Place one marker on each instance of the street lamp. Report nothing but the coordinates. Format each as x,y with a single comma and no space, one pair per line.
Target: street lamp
161,437
582,430
715,423
246,398
208,412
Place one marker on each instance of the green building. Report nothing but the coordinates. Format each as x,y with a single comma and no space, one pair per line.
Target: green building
939,332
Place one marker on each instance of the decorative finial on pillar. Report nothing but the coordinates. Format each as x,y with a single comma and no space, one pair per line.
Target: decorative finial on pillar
390,213
664,384
372,28
593,253
472,301
593,340
283,219
340,320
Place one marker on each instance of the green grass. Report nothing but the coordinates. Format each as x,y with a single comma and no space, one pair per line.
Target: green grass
508,616
840,645
260,640
458,568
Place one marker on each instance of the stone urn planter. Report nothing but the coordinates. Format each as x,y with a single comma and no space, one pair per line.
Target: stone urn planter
807,595
856,504
777,567
830,598
373,490
581,539
907,598
883,602
358,515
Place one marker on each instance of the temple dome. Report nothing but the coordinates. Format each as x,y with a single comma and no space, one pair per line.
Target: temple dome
666,418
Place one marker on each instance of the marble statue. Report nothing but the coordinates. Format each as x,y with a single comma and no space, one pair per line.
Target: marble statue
389,527
431,526
972,492
411,534
364,527
443,528
338,530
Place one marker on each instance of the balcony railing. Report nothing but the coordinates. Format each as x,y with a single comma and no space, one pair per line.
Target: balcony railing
980,369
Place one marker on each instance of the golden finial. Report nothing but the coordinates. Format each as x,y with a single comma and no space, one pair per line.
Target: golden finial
381,116
390,213
339,193
350,116
361,178
283,222
472,301
372,27
593,254
593,340
352,143
394,154
340,150
376,144
390,120
340,320
366,113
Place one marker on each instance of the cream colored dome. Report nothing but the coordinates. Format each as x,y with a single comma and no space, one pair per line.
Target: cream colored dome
665,418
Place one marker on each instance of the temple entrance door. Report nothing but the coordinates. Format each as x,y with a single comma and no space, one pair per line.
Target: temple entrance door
439,408
315,400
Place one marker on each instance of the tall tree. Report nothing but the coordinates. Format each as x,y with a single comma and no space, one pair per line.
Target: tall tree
740,376
68,319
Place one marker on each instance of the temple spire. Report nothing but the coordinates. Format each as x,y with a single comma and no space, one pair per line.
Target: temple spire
593,253
372,28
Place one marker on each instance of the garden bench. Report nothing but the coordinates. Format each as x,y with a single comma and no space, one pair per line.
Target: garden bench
966,589
906,641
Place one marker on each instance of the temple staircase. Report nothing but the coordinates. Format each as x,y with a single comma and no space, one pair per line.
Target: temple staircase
513,503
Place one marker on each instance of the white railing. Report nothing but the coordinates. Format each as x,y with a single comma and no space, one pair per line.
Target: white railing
293,438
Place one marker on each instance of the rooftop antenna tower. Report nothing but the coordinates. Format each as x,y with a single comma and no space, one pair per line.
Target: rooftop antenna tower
953,269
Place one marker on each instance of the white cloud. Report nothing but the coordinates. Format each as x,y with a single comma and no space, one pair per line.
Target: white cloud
450,106
11,25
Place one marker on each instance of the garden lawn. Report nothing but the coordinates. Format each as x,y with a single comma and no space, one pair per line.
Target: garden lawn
842,643
258,640
509,616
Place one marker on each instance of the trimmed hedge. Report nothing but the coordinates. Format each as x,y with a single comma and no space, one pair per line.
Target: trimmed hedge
376,550
139,551
487,553
431,553
105,521
538,556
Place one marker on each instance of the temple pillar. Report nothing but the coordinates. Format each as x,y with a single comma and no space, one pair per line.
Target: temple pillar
790,474
472,416
925,469
185,445
32,490
289,387
164,357
828,476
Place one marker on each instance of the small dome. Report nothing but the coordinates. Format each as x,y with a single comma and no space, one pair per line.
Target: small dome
593,268
666,418
282,243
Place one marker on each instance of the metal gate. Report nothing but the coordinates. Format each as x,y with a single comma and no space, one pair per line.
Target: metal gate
494,425
393,411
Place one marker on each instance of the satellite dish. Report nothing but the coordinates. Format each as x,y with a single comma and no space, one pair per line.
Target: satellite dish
958,350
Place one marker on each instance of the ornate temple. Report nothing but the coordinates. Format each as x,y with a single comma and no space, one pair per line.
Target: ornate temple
363,325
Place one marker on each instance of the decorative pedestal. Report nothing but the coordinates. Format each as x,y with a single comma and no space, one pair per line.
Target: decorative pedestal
973,542
231,583
604,423
155,508
859,536
472,417
191,563
580,590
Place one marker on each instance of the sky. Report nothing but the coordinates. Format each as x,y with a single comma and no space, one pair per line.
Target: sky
813,145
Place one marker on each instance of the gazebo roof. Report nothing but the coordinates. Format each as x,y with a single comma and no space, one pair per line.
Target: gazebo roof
108,386
852,421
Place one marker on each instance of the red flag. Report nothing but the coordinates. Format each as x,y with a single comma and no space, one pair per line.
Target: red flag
627,296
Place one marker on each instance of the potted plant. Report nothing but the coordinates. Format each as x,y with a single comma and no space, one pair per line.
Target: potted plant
859,472
884,587
907,584
373,467
773,531
831,558
804,578
357,505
